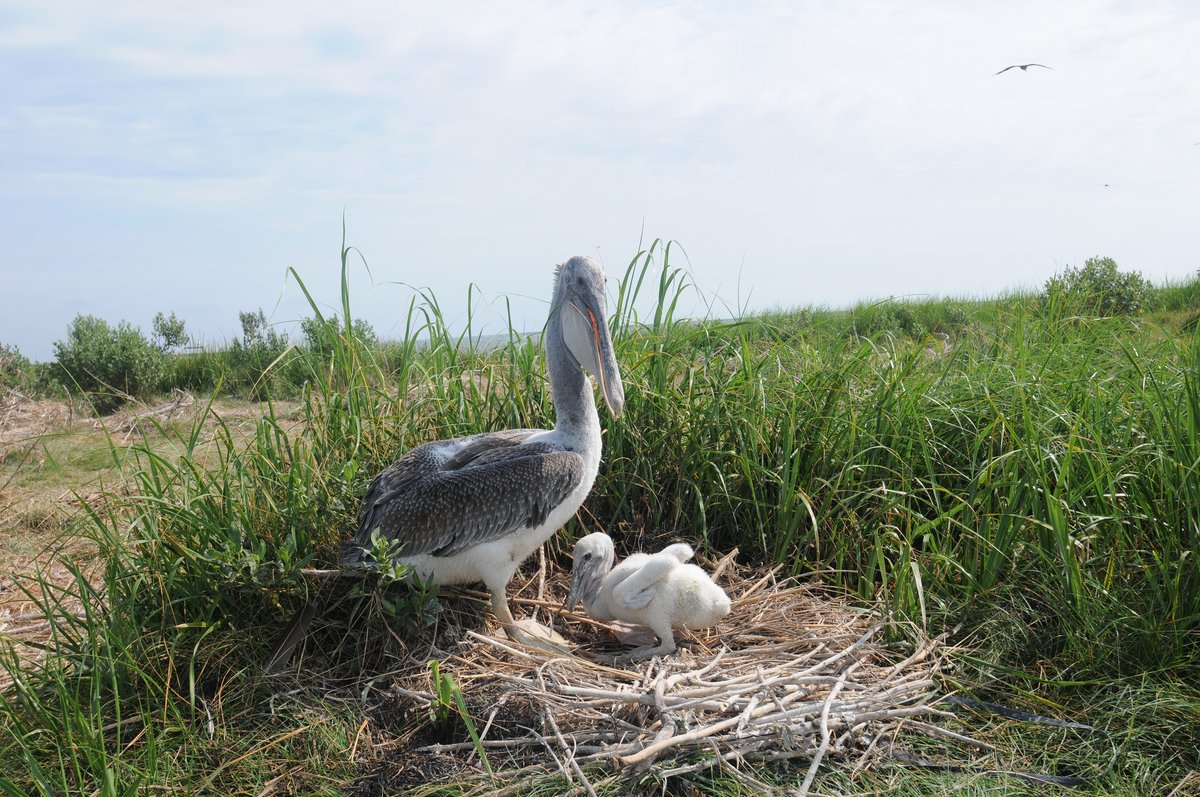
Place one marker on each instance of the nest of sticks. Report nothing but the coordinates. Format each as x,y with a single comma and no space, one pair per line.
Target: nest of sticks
794,673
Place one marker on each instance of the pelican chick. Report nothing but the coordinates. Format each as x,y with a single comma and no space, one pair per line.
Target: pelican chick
661,591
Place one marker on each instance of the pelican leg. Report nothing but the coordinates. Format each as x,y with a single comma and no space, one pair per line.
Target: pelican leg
500,608
527,632
666,645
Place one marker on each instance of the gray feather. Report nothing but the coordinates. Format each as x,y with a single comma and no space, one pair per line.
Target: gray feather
440,503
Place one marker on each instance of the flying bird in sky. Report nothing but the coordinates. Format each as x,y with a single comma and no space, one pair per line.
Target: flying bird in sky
1022,67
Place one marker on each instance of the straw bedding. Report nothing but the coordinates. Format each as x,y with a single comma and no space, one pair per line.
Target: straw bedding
792,674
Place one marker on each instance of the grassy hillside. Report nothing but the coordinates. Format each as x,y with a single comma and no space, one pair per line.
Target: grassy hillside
1020,467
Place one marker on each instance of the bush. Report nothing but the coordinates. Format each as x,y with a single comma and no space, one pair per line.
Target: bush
319,336
1097,288
1175,296
885,318
169,332
198,372
249,358
15,368
109,365
953,321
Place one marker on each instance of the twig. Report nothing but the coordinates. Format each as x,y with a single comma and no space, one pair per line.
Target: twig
570,755
816,761
758,584
796,676
357,736
723,565
347,572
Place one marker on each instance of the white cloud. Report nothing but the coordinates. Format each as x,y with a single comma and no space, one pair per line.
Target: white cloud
835,149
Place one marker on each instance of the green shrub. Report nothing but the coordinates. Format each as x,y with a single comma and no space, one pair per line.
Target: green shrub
199,372
1097,288
14,367
886,318
256,366
320,334
954,320
248,360
109,365
169,332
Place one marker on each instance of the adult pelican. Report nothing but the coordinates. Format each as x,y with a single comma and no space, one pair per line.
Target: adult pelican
473,508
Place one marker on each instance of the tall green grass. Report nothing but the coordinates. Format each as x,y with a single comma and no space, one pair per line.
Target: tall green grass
947,459
1053,451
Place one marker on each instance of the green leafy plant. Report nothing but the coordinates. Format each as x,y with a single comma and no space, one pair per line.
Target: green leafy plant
170,331
384,558
448,703
108,364
14,367
415,606
320,334
253,364
1097,287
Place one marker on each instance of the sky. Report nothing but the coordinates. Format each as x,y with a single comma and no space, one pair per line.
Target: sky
169,157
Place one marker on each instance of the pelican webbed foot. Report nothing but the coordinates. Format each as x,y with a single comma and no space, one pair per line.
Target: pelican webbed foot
532,634
528,632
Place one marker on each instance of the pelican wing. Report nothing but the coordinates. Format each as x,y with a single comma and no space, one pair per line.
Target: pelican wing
681,551
638,589
445,497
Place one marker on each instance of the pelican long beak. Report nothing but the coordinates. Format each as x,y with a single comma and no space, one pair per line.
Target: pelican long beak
585,585
585,331
574,595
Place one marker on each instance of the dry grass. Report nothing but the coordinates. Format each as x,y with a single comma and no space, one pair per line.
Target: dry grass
23,587
55,458
52,455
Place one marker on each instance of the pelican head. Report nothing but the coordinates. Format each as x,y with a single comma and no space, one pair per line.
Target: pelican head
590,563
579,300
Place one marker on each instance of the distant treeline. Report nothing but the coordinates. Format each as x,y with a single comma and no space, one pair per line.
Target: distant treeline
108,365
